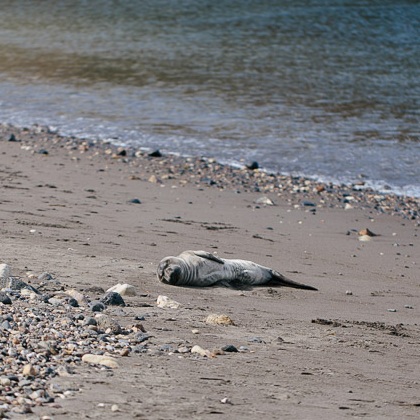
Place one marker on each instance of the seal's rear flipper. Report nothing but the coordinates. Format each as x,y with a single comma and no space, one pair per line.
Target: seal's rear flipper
279,280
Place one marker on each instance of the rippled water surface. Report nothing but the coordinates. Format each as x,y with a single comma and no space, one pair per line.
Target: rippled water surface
328,89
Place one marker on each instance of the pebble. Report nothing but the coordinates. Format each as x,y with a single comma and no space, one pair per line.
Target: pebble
230,348
97,306
5,271
349,292
166,302
155,153
5,299
80,297
216,319
264,201
202,352
100,360
29,370
123,289
112,298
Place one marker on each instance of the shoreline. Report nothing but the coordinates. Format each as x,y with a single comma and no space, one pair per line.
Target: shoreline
207,172
79,217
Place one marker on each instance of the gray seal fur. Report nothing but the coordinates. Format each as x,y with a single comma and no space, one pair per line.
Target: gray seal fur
202,269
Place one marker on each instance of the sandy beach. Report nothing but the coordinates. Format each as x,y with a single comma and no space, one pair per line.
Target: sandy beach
349,350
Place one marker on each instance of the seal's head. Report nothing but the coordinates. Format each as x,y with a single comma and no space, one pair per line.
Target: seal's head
169,270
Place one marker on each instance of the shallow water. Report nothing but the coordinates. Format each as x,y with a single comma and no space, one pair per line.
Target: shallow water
328,89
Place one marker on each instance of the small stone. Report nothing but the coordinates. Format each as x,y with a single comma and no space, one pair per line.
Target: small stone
308,204
45,277
97,306
258,340
5,381
140,337
123,289
100,360
253,166
112,298
155,153
43,151
134,201
367,232
90,321
202,352
95,289
216,319
195,331
230,348
226,401
105,322
115,408
365,238
5,299
80,297
392,310
408,307
165,302
29,370
264,201
5,271
125,352
12,138
349,292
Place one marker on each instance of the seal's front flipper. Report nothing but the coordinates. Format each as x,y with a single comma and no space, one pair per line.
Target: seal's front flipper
208,256
233,284
278,279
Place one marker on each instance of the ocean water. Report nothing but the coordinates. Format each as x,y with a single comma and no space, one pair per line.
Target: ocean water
329,89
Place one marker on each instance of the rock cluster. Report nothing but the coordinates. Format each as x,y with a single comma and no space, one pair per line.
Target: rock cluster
204,172
45,333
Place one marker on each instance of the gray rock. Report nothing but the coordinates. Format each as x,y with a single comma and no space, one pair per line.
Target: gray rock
15,283
90,321
97,306
230,348
105,322
5,299
45,276
140,337
113,298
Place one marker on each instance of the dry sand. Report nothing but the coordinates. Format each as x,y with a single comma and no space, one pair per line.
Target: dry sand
68,213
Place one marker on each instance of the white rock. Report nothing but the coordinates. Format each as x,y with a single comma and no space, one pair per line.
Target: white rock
202,352
5,271
123,289
165,302
365,238
264,200
100,360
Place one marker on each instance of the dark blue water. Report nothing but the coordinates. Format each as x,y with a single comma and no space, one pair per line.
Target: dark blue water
327,89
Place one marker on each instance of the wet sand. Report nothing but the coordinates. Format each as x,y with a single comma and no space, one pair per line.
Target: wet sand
350,349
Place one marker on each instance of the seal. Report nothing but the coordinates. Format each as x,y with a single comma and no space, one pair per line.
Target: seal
202,269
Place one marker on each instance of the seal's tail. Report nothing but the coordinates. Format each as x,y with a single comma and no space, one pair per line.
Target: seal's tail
278,279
